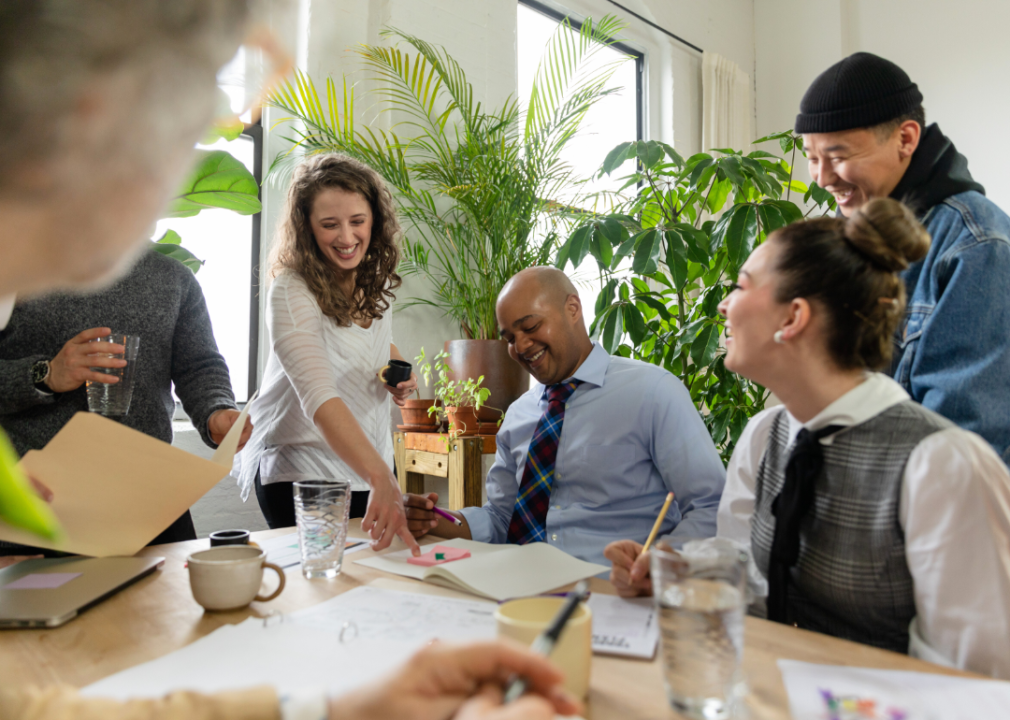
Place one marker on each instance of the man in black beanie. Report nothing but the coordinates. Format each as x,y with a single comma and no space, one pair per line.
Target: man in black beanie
865,135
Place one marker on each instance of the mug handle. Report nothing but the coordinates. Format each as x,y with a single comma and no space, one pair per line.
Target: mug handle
280,576
382,377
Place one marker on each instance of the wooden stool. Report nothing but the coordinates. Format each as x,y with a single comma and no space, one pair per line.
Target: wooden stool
460,461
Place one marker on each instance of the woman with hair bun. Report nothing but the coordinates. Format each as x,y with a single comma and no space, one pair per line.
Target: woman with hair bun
873,518
323,412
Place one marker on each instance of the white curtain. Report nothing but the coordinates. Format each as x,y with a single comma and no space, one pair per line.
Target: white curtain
726,104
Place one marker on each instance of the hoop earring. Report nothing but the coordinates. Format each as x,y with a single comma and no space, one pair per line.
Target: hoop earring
779,337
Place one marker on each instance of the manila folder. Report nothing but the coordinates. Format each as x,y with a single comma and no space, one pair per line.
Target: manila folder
114,488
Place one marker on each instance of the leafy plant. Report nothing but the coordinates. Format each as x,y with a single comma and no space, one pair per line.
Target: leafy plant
686,230
453,393
217,180
474,185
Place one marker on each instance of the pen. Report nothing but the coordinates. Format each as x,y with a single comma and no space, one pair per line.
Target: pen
659,522
545,642
451,518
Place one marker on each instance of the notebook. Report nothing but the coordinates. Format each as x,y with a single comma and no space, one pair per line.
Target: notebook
498,572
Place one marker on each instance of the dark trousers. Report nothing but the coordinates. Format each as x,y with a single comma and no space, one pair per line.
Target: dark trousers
277,501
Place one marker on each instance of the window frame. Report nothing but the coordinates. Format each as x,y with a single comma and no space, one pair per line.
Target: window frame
254,131
638,55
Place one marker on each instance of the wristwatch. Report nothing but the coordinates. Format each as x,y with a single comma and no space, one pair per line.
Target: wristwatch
40,371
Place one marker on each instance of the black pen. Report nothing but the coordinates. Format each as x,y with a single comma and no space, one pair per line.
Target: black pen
545,642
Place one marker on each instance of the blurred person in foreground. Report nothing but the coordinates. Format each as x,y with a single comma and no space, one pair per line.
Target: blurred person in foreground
101,105
873,518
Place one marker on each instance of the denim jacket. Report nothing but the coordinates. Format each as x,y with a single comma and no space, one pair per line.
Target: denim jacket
953,348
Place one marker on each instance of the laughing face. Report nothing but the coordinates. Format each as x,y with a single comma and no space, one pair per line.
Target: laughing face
342,225
753,315
542,333
857,165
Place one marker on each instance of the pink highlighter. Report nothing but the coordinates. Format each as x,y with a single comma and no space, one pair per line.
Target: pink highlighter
439,555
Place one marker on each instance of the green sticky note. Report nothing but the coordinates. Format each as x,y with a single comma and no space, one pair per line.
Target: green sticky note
20,506
440,556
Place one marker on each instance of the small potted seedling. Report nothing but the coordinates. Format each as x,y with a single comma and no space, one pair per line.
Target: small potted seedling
459,400
417,412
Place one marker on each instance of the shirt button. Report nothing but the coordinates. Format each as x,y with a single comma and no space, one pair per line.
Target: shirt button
557,507
554,537
557,476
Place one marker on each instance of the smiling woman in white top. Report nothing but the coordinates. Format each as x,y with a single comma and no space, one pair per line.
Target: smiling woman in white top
872,518
322,412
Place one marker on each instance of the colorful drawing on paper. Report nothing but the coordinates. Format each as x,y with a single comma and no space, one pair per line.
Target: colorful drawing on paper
853,707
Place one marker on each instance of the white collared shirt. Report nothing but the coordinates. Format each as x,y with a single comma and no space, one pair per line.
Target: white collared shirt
954,511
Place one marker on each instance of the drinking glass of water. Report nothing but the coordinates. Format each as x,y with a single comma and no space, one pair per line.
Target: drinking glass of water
700,602
113,399
321,511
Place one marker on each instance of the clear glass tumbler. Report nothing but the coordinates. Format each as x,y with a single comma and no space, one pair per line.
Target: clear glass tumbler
701,606
321,511
113,400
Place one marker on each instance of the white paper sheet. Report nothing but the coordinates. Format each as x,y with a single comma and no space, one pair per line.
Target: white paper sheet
834,692
285,552
285,655
376,614
498,572
625,627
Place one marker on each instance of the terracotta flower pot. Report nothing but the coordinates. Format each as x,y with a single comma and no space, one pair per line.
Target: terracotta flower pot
503,376
415,412
463,420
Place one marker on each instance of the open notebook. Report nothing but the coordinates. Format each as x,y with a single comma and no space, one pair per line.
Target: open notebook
498,572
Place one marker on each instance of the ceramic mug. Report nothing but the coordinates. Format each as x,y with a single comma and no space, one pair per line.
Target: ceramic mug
230,537
229,577
523,620
395,373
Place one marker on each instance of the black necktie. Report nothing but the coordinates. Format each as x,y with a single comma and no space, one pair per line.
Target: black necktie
789,509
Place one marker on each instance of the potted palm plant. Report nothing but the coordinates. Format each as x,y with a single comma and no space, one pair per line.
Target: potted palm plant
476,187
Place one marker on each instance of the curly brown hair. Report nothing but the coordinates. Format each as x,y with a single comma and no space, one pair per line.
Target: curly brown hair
296,248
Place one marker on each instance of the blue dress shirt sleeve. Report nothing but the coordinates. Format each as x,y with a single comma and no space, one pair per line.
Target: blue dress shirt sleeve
685,456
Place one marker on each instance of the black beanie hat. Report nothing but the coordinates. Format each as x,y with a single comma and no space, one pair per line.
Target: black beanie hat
861,91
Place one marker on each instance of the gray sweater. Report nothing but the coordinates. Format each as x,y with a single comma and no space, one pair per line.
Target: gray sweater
159,300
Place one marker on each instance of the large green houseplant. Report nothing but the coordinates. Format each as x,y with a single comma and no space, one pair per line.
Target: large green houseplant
217,180
476,186
686,229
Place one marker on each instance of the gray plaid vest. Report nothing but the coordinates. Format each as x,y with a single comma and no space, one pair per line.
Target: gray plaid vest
851,580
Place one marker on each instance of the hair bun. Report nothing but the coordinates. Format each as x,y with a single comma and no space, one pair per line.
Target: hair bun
888,234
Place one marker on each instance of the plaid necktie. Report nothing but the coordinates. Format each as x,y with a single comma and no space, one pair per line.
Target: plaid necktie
529,519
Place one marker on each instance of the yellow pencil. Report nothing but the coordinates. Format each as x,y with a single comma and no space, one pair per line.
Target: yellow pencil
659,522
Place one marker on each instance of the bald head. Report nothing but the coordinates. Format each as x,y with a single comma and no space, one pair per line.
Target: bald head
550,282
540,315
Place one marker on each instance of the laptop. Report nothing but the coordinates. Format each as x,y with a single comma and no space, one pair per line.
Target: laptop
47,593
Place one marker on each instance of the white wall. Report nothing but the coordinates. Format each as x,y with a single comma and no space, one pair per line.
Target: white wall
957,52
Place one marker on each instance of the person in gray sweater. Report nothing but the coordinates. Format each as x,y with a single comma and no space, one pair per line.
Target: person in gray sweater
161,301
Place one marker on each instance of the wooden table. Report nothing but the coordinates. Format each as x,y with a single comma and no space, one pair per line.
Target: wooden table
459,461
158,615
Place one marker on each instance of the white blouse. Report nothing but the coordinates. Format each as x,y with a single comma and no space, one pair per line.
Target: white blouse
314,360
954,510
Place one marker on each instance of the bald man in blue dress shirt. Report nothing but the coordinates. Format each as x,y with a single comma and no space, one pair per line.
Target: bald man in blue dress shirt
629,434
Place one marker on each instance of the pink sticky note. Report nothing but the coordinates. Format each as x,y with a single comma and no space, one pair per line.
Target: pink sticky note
449,554
41,581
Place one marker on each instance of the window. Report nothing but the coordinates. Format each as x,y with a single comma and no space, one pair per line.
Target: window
228,244
615,119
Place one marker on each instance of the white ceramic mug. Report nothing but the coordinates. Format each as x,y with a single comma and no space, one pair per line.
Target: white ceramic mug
523,620
229,577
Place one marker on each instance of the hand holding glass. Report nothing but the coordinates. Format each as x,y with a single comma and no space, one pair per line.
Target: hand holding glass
113,399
